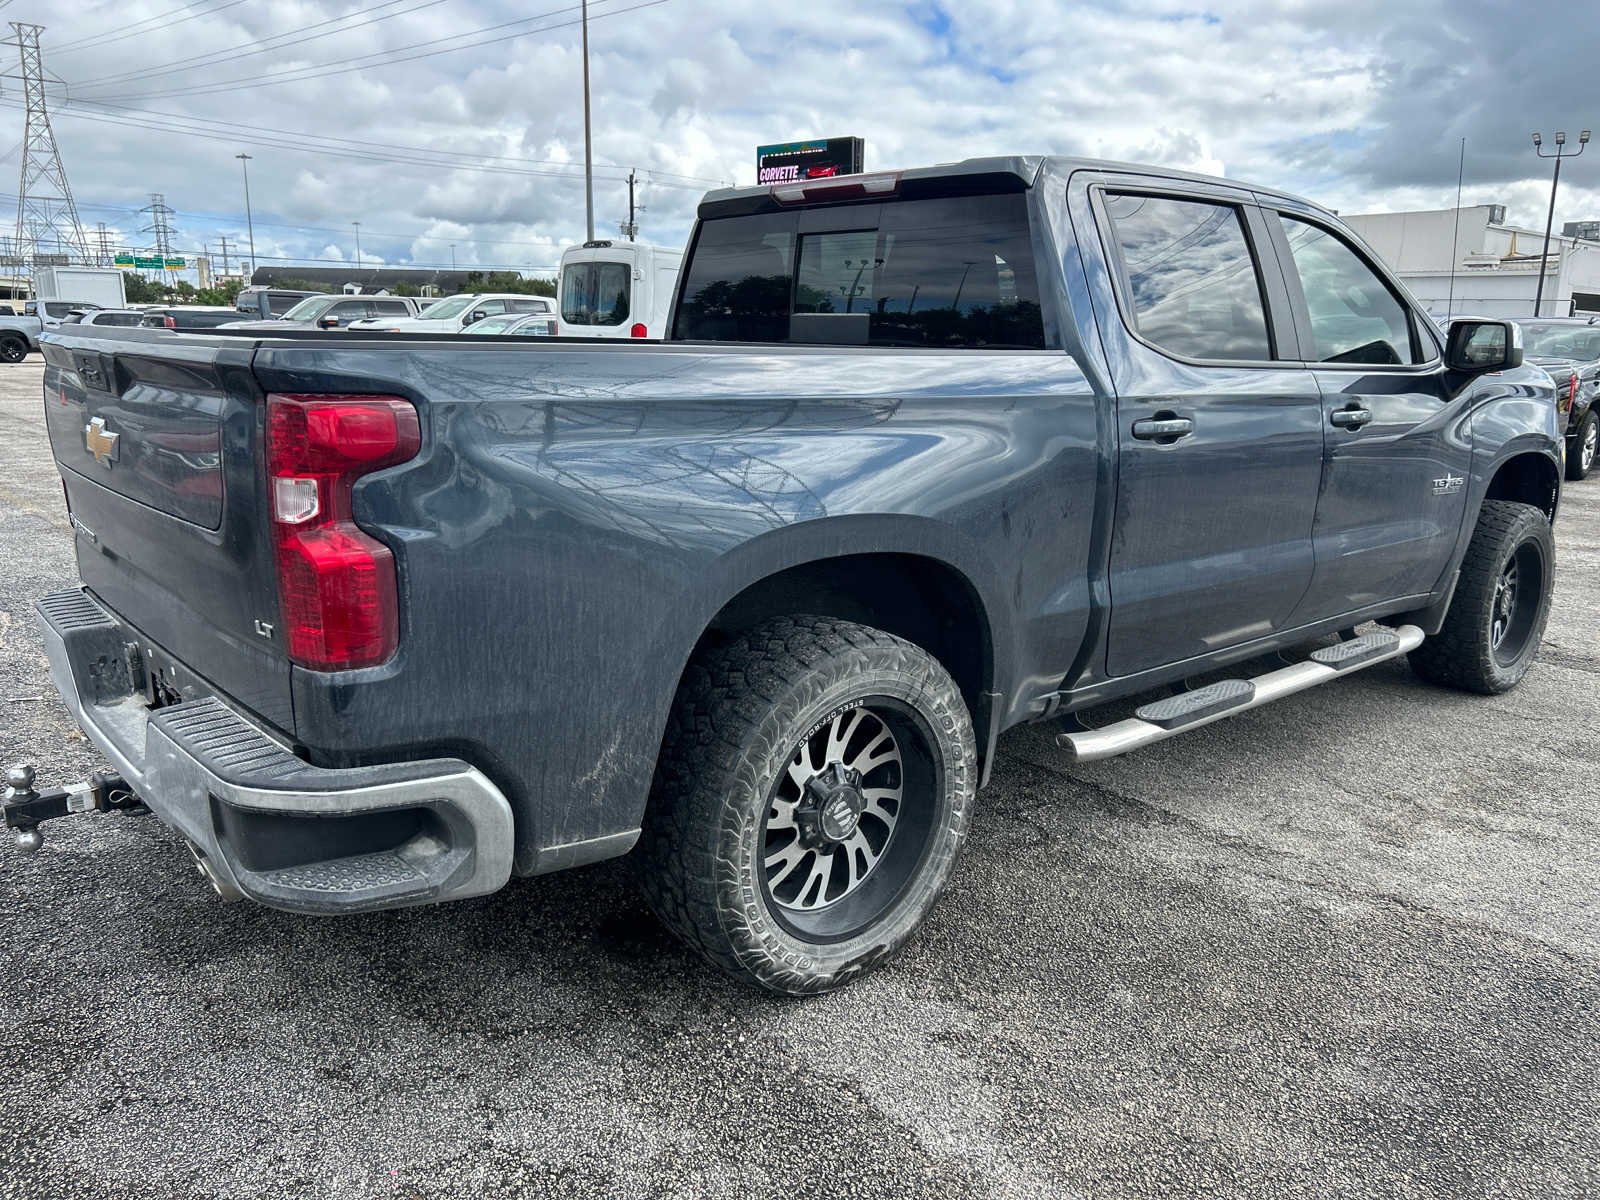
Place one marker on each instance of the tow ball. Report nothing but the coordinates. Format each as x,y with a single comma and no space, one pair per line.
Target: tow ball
26,808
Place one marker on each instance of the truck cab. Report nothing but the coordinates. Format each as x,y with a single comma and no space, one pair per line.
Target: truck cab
617,289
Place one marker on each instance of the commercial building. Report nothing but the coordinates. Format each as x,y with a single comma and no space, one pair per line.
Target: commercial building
1482,265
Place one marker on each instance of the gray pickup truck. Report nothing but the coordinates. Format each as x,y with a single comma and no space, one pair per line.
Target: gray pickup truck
382,620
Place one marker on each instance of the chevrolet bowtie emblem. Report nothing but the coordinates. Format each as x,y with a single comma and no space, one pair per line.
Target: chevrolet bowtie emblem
98,442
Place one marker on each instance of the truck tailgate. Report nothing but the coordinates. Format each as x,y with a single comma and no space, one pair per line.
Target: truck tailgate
157,441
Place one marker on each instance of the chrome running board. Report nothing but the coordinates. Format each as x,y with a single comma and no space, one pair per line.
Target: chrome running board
1161,719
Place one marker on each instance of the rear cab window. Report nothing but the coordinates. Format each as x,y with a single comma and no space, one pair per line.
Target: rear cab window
948,272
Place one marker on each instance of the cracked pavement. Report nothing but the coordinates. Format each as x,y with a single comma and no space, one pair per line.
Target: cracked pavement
1346,945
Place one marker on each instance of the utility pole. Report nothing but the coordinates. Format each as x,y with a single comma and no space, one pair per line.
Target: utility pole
161,228
357,224
588,146
224,254
244,161
631,229
452,256
1555,181
46,213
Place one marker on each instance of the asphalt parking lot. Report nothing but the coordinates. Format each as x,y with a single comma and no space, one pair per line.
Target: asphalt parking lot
1345,945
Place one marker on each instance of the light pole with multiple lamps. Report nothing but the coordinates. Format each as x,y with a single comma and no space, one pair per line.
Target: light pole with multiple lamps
1555,181
244,162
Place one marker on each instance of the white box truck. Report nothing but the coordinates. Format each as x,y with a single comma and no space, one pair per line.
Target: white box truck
99,286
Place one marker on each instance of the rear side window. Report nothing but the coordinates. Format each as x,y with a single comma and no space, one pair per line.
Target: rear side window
528,306
1190,279
1355,318
278,304
390,307
595,293
952,272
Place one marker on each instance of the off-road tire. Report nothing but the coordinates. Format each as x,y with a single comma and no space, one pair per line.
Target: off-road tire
741,713
13,349
1462,654
1584,446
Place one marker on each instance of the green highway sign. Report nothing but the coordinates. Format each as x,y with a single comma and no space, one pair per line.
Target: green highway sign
174,264
122,260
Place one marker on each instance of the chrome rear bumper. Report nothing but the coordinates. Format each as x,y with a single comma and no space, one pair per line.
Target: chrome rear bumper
265,823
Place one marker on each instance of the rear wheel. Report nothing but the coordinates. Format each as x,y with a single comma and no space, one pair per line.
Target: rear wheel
13,349
810,801
1497,616
1582,449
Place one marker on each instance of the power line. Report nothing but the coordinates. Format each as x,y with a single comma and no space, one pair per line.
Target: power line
320,71
412,237
135,30
302,136
301,144
217,57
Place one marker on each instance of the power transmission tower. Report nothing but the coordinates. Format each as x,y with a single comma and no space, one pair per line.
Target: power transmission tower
47,219
102,237
162,230
224,254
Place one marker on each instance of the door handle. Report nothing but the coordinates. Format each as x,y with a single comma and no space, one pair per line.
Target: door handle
1163,428
1349,418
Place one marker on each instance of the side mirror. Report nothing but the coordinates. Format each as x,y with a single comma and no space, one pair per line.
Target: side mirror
329,322
1476,347
475,316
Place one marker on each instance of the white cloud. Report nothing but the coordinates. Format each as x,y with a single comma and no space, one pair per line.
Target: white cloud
1356,103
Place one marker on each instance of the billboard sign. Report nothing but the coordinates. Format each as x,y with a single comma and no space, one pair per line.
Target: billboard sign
821,158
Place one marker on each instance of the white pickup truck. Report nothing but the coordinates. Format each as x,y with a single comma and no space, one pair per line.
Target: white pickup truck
18,335
454,313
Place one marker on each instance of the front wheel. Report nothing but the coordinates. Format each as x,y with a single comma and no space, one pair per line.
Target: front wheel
1497,616
812,795
13,349
1581,450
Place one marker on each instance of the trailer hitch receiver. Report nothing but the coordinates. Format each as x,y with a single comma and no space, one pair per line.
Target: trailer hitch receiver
25,809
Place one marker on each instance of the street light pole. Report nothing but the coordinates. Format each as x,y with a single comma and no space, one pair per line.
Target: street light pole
588,149
244,163
1555,181
357,224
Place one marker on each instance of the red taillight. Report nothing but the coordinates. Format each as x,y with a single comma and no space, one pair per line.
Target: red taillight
336,584
638,330
1572,392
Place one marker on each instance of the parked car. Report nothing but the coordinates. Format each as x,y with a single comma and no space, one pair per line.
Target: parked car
617,289
18,335
335,312
106,316
926,455
454,313
268,302
187,316
516,325
1569,348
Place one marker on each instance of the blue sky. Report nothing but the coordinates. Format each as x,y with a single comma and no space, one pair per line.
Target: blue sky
449,127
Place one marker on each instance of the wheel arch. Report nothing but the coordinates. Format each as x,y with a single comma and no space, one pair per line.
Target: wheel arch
911,577
1528,477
